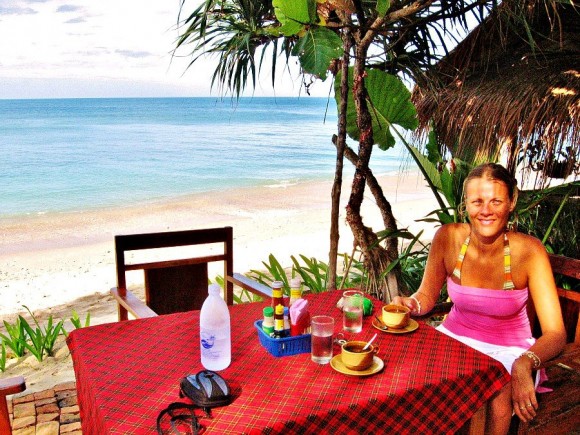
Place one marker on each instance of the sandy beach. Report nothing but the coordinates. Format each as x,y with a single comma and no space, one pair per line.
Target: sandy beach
55,263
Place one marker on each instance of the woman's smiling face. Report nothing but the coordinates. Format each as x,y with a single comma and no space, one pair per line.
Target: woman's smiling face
488,205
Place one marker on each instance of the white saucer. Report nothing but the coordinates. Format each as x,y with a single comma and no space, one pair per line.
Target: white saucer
376,366
409,328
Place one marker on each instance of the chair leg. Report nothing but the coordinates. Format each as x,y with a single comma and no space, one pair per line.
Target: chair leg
122,313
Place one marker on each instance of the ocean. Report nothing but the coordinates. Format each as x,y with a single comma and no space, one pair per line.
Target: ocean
65,155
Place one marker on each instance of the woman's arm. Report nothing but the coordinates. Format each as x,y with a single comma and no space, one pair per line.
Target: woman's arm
544,296
424,299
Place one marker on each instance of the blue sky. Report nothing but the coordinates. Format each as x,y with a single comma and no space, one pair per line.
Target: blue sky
104,48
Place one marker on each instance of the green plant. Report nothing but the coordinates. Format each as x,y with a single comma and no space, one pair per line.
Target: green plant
76,321
314,273
41,341
51,333
549,214
274,272
2,356
16,338
36,337
412,258
446,184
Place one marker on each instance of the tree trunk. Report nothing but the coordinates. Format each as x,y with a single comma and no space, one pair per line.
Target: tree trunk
394,281
375,257
340,144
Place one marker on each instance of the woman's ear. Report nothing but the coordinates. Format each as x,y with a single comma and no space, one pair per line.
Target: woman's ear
514,199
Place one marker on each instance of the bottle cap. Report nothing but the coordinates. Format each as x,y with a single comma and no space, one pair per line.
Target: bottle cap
277,284
279,309
214,289
295,282
268,311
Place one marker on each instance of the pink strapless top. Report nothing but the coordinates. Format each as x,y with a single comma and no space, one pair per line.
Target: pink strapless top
493,316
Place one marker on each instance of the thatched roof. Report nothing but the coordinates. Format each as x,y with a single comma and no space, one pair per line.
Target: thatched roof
494,93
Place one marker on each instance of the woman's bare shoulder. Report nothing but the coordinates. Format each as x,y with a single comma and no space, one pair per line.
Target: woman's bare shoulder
450,235
453,231
526,247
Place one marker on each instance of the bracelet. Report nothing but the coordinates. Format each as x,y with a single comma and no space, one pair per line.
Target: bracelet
418,303
537,362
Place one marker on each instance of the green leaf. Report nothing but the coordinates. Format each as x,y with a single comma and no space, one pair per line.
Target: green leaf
36,345
432,148
2,357
447,186
383,6
430,170
316,49
389,102
17,337
293,15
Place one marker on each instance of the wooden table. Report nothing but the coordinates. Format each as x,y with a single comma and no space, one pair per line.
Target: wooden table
127,372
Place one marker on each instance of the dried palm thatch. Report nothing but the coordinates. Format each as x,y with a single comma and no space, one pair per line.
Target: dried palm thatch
500,92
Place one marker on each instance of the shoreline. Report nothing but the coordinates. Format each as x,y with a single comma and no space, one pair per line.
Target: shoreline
53,259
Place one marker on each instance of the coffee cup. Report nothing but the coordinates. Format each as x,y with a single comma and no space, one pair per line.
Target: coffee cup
355,358
396,316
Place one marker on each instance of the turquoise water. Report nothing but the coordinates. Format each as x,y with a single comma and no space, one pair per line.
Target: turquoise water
76,154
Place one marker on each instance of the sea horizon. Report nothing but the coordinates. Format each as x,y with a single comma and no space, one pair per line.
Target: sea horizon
76,154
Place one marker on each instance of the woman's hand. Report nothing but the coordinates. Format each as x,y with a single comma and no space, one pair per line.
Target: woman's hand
408,302
523,389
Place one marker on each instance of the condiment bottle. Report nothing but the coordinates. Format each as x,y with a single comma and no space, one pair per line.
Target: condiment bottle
268,322
286,321
279,331
277,294
295,290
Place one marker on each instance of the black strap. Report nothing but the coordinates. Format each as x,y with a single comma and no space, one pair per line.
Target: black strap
173,410
206,409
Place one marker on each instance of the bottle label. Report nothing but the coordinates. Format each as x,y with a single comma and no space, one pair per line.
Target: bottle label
279,324
207,340
295,293
268,321
213,345
277,293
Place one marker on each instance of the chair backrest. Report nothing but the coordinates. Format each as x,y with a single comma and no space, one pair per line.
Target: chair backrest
173,285
569,299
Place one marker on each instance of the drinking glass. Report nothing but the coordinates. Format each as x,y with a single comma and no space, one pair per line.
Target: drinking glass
352,310
322,328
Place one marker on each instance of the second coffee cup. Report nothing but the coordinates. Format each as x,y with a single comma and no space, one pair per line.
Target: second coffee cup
396,316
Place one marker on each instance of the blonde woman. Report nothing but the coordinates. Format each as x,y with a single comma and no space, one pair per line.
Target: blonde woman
490,273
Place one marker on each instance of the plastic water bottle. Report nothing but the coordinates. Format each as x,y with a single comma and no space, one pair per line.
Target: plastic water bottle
214,331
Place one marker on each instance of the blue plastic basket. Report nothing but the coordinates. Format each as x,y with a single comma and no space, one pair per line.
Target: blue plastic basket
283,346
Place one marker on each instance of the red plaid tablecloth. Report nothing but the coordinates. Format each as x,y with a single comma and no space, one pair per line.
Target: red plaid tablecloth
127,372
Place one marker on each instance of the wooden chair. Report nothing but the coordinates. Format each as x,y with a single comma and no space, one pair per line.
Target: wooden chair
7,387
560,408
175,285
